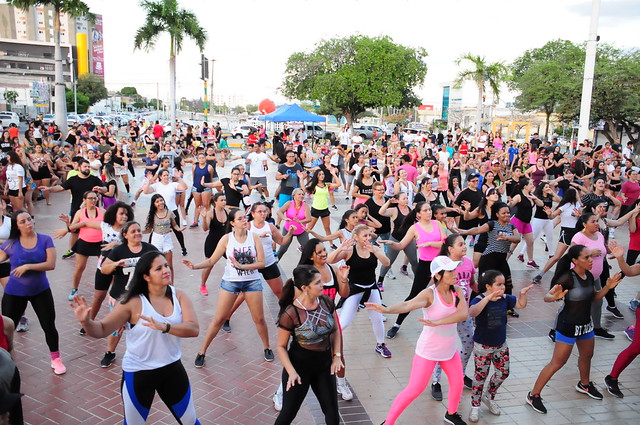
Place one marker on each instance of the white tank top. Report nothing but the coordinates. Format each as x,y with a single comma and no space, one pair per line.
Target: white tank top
244,253
264,233
149,348
438,343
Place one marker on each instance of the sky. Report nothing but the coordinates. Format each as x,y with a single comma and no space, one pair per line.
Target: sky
251,40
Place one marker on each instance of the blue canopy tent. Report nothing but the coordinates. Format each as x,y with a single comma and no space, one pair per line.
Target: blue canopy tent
292,113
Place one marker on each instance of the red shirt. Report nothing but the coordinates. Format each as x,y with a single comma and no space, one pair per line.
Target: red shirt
464,149
253,139
3,337
631,191
157,131
13,132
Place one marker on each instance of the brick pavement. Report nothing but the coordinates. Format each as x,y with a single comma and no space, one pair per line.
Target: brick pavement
236,385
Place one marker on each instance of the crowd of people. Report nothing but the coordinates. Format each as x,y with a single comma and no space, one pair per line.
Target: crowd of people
433,197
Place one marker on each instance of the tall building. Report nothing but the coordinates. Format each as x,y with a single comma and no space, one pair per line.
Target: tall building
27,53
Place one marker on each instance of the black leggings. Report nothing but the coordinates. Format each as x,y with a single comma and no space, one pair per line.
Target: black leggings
497,261
314,369
178,234
13,306
421,280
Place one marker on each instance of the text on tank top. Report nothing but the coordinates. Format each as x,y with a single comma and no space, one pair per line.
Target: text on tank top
244,253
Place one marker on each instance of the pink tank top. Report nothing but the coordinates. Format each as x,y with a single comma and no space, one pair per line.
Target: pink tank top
89,234
300,214
428,253
438,343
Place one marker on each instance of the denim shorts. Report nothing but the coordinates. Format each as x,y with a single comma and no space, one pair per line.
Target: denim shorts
236,287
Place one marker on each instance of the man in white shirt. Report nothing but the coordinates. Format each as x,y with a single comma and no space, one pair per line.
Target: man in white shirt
443,156
627,152
356,139
345,137
258,166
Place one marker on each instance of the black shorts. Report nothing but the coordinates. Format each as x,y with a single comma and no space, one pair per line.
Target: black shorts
320,213
566,234
270,272
88,249
103,281
5,269
15,192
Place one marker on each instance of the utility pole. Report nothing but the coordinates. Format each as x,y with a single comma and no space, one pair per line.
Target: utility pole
211,91
589,66
204,67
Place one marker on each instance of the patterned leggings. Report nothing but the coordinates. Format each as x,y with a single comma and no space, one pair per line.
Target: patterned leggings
483,356
465,332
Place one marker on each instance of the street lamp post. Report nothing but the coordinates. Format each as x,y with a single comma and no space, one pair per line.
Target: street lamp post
589,66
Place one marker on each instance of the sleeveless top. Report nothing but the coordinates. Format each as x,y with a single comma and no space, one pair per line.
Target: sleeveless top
148,348
540,214
300,214
198,174
330,289
264,233
538,175
217,228
244,253
213,164
525,209
397,223
362,272
438,343
311,329
346,233
88,234
428,253
321,198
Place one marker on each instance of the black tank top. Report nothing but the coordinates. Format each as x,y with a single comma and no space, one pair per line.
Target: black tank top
525,209
548,202
362,272
397,223
216,229
213,164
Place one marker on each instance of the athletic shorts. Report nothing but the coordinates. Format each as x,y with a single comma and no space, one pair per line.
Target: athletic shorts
14,193
5,269
283,199
241,286
572,340
203,189
164,243
320,213
566,234
270,272
88,249
255,180
523,228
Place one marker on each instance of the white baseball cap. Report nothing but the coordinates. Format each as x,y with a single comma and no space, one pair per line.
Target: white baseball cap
442,262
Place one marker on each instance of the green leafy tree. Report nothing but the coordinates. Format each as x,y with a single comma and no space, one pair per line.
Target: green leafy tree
93,87
355,73
75,9
82,100
129,91
165,16
482,73
546,76
11,97
252,109
156,103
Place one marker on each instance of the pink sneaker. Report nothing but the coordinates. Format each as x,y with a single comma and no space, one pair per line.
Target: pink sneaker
203,290
58,367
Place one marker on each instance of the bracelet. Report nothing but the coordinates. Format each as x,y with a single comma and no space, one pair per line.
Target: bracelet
337,355
167,329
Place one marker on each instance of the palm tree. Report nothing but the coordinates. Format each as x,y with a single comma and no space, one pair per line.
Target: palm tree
74,9
481,73
162,16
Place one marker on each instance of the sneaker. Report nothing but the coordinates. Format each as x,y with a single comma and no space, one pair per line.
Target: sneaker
521,258
58,367
589,390
334,207
262,197
184,252
602,333
511,312
474,415
23,324
537,279
612,386
630,332
268,355
383,351
403,270
226,326
436,391
133,204
277,401
390,275
199,360
72,294
633,304
468,383
68,254
108,359
203,290
535,401
533,264
345,392
552,335
615,312
380,286
193,225
454,418
82,331
492,405
392,332
333,246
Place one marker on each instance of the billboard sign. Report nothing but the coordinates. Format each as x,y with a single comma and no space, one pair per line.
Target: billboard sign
97,48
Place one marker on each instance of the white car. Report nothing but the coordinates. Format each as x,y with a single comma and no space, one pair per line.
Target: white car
242,131
48,118
8,117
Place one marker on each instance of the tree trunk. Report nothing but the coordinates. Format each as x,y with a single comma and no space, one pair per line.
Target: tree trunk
479,109
610,131
546,126
349,117
59,92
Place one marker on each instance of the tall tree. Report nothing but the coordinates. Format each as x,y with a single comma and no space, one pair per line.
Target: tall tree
481,73
74,9
165,16
356,73
93,87
546,76
11,97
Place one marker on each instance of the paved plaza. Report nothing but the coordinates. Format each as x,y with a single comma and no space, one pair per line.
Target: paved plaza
236,385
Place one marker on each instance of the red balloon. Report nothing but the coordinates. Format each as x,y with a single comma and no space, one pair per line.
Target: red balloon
266,107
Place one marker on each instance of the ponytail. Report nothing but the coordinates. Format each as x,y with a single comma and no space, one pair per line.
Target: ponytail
563,267
302,276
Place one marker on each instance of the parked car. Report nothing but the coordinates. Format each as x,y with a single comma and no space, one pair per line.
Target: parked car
319,132
48,118
366,131
8,117
242,131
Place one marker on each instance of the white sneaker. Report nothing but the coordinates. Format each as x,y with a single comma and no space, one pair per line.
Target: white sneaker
492,405
390,275
277,401
474,415
345,391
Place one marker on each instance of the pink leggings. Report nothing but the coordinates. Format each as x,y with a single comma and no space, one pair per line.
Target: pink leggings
628,354
421,371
